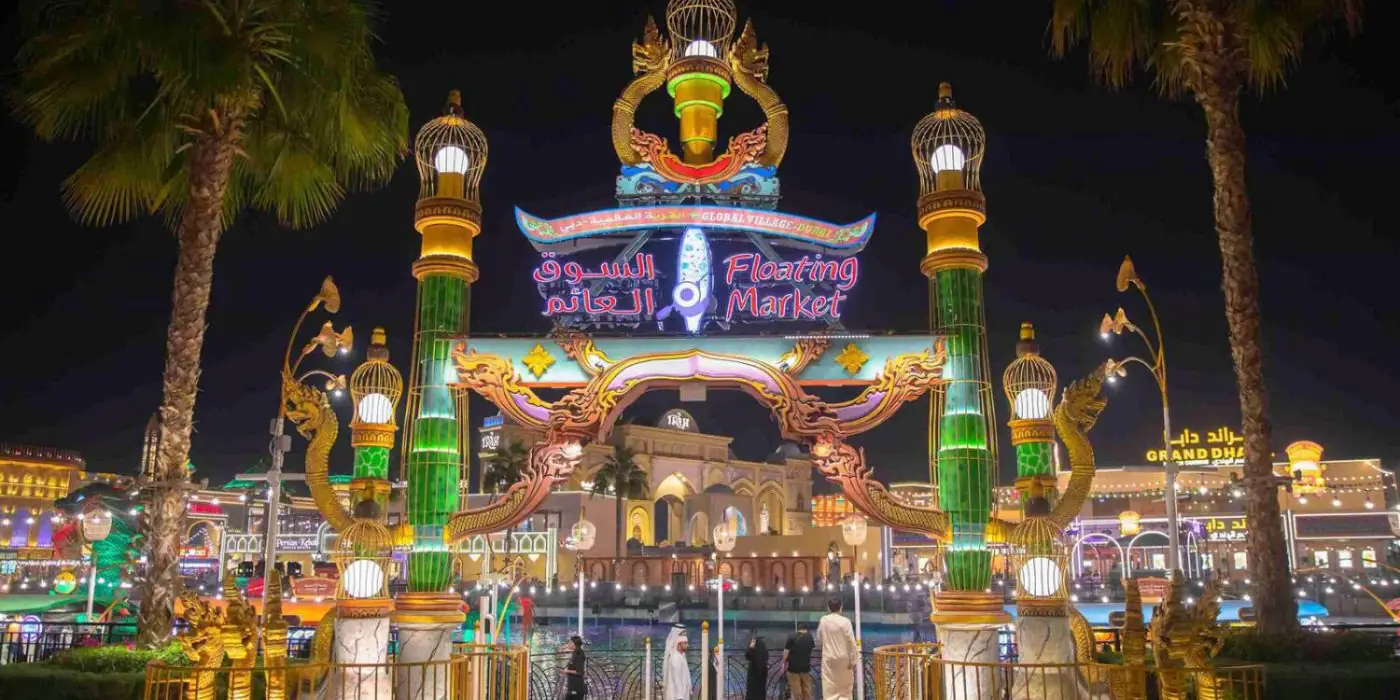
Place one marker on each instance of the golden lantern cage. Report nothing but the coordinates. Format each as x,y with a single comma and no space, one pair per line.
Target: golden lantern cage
948,145
701,28
376,386
1039,559
451,156
1030,380
362,554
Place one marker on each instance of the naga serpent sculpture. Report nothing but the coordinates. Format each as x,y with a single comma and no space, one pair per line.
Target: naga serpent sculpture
203,645
649,61
1185,639
310,410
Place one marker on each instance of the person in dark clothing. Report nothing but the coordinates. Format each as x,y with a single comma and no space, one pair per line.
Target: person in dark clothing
574,686
797,659
757,656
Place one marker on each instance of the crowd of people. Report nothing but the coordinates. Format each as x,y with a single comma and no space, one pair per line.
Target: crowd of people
835,638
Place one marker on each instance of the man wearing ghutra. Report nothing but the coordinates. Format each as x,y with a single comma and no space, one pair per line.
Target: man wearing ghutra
675,672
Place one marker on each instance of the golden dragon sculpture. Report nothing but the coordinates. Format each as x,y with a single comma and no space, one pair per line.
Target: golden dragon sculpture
1078,411
1184,640
749,63
310,410
551,463
239,633
203,645
649,61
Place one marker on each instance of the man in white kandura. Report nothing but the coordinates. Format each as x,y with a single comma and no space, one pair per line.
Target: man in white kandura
839,656
675,672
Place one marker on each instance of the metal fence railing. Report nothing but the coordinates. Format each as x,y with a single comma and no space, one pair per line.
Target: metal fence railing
482,673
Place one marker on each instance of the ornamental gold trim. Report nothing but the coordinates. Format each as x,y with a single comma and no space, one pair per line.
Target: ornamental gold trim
852,358
699,64
538,360
362,609
968,607
369,435
453,211
936,205
1031,430
460,268
953,259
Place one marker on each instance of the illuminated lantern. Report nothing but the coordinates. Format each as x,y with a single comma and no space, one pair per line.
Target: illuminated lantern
362,555
97,524
854,529
1305,463
375,389
584,534
724,538
1030,382
1129,523
1038,559
948,147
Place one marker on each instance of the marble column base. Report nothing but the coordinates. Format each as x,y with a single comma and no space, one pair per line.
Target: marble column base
965,644
425,647
362,641
1046,640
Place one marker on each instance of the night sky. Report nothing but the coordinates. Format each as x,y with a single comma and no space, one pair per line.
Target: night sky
1076,176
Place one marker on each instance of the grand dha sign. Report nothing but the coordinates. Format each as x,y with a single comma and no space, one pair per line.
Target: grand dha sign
1221,448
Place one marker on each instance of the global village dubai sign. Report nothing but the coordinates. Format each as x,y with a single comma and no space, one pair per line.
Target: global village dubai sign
746,282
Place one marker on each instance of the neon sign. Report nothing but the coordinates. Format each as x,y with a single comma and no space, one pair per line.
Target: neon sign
794,305
1222,448
545,233
758,286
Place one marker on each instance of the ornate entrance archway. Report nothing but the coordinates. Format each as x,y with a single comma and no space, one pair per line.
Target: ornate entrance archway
890,371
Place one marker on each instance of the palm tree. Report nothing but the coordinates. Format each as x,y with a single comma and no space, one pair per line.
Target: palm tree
623,478
196,111
1212,50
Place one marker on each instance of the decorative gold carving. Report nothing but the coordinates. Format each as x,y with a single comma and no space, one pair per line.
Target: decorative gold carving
361,609
845,466
649,61
942,203
1133,685
698,64
852,358
588,412
240,637
203,645
538,360
432,211
578,346
1184,640
1079,408
974,607
743,149
366,435
803,352
1031,430
274,646
749,62
310,410
551,462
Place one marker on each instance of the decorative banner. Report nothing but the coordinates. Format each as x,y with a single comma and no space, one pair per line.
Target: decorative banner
1221,448
839,239
313,587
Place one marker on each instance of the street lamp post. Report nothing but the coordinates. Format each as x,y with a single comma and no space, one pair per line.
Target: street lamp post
96,525
724,543
853,530
584,533
1156,352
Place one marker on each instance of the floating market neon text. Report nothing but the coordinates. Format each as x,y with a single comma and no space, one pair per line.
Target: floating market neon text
750,270
748,275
